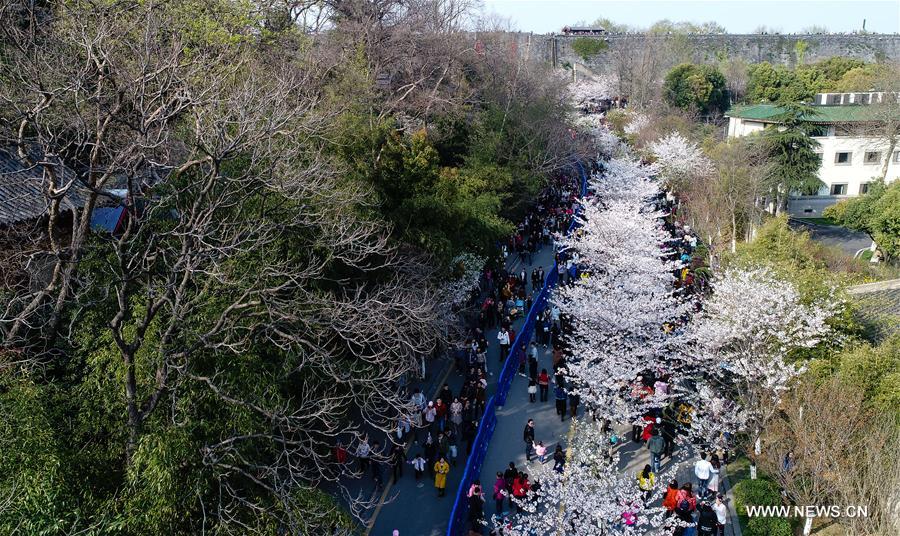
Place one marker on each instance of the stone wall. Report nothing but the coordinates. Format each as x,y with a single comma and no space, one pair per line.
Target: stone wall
754,48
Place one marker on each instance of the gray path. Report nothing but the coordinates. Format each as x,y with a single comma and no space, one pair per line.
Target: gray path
834,236
418,511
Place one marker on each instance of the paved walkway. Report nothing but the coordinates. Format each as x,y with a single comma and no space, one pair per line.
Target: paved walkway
846,240
418,511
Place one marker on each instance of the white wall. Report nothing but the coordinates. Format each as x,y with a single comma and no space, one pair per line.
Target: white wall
853,174
857,172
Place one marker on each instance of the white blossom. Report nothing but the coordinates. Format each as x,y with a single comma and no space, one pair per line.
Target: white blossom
636,123
467,269
743,340
592,89
677,157
592,495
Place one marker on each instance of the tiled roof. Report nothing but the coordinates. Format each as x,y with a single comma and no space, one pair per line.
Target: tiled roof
23,191
878,307
767,113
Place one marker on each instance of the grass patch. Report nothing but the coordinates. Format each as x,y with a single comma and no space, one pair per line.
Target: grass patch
818,221
738,469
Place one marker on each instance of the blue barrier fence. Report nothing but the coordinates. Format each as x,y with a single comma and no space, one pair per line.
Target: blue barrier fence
458,525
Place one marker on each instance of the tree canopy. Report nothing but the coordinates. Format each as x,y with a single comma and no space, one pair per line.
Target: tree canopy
696,87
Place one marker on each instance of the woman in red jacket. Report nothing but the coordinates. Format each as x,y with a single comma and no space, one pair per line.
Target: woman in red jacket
669,501
520,488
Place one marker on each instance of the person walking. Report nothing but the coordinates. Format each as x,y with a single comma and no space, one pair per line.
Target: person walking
544,384
377,476
509,476
456,409
721,511
429,416
528,438
363,452
418,464
714,470
520,490
670,500
532,390
503,340
646,481
500,493
703,472
574,400
706,520
441,469
398,459
476,508
560,394
656,445
559,459
532,361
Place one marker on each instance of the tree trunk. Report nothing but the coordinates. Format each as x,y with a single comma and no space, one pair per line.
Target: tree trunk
887,160
733,232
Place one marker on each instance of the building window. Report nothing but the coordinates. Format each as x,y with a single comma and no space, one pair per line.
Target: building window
862,98
897,157
872,157
863,188
818,131
833,99
842,158
838,189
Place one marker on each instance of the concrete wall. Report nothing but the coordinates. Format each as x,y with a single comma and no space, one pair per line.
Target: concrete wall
854,173
754,48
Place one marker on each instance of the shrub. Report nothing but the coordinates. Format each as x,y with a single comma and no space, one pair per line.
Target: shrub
769,526
587,47
760,492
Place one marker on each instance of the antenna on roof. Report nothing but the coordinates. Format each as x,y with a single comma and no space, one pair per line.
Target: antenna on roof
864,24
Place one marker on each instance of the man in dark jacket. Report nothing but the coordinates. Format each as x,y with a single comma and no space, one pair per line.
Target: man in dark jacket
657,446
528,438
706,520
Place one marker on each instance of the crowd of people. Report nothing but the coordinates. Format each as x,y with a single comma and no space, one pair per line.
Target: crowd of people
439,428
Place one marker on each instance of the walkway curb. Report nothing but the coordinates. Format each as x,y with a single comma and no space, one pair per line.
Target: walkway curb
371,524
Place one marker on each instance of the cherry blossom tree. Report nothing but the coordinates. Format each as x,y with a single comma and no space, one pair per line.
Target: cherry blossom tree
618,310
745,338
591,495
679,159
592,89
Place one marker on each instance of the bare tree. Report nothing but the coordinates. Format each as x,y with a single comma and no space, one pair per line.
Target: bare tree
241,243
827,447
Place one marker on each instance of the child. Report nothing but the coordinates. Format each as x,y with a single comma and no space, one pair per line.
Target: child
532,390
540,450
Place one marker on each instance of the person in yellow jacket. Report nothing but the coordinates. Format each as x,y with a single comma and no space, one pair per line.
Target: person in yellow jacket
441,468
646,481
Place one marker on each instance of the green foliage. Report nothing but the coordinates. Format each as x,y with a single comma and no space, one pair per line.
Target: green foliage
696,87
875,370
797,258
769,526
800,48
759,492
588,47
876,213
768,83
793,150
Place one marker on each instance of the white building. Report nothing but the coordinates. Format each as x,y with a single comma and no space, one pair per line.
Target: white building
853,153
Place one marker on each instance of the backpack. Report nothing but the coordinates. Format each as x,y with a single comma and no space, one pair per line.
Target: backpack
684,506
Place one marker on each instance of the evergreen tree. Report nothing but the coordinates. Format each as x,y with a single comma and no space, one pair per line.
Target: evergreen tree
793,153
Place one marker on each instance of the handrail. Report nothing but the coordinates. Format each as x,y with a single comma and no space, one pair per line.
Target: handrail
458,524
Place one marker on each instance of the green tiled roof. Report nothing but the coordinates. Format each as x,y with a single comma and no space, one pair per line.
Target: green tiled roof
767,113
